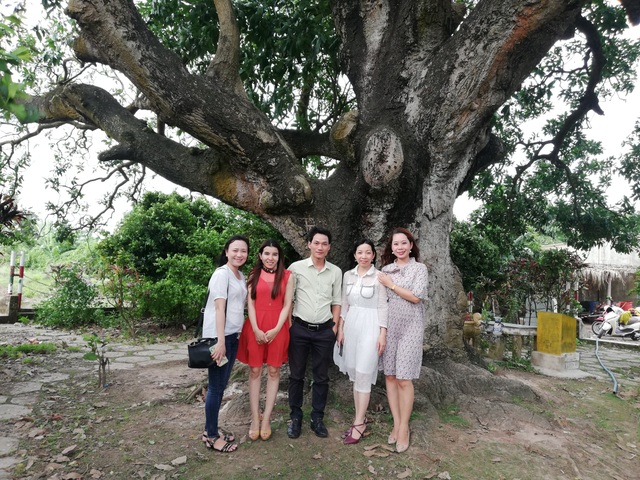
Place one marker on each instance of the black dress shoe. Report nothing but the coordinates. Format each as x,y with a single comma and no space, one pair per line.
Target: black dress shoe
295,426
319,429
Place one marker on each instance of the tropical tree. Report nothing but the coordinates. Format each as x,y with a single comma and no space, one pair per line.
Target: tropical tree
359,116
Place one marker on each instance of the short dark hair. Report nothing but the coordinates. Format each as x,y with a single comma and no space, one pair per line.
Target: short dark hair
315,230
354,248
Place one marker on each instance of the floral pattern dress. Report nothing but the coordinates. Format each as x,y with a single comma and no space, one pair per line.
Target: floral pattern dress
402,356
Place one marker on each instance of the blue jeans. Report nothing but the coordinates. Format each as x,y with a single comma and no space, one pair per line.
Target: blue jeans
218,380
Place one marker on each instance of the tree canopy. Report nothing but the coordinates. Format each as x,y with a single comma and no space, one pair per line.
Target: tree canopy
356,115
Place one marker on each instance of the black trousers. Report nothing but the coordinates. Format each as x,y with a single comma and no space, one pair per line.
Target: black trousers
319,344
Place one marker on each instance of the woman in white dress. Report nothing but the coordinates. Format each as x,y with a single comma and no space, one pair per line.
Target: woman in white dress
362,331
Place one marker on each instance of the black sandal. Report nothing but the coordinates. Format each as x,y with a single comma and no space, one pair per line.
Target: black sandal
228,447
227,437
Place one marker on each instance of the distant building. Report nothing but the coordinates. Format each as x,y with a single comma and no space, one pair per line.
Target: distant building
609,274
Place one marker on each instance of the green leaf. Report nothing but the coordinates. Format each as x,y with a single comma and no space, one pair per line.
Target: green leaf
23,53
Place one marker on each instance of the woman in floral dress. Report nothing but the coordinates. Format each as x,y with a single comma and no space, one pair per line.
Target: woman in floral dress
406,280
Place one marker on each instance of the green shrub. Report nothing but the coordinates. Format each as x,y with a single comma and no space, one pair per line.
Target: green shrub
159,260
178,296
73,302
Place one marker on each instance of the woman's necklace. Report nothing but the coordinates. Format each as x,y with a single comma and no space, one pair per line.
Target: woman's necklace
269,270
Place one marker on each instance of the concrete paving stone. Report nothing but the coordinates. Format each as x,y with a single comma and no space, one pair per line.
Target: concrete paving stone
3,399
27,400
118,354
11,412
122,348
7,464
573,373
54,377
171,357
25,387
8,445
149,353
160,346
130,359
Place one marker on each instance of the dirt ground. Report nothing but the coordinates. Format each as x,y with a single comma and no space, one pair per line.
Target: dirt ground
142,426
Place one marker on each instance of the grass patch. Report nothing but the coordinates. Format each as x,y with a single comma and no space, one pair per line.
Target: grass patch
450,414
517,364
15,351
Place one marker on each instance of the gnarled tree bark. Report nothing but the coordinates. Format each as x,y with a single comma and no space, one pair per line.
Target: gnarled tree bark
427,81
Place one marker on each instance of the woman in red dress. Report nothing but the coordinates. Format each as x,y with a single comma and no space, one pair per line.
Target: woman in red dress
265,336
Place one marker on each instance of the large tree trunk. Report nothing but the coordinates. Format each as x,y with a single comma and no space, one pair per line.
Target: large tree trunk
427,84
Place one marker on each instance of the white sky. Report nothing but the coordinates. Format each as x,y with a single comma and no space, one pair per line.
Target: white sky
611,129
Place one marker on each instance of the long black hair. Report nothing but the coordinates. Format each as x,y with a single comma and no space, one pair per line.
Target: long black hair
254,275
223,256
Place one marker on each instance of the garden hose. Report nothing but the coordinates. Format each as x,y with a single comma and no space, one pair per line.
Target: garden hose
615,382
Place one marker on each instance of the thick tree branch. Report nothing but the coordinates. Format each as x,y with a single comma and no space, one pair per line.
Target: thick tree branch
500,49
208,171
226,63
207,108
494,152
338,144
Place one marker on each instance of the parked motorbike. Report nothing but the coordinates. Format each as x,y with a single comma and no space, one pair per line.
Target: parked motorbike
610,325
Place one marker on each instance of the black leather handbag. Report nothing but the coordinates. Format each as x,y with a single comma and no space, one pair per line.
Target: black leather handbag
200,353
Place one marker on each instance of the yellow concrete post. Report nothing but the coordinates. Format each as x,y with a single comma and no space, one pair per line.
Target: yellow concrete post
556,333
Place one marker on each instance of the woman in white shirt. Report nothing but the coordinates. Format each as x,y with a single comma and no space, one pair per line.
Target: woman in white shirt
223,318
362,331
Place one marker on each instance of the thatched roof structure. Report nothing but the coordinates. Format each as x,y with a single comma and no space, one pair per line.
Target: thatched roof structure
600,275
605,265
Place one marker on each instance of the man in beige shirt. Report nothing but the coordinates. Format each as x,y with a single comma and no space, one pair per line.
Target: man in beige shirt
316,310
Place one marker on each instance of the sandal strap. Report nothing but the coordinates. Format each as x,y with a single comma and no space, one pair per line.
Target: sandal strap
361,432
227,437
227,447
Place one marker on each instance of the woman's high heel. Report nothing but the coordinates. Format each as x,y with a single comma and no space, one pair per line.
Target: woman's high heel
254,434
349,440
265,433
403,448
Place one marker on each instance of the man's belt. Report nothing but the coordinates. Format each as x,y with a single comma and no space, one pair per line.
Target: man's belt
314,327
